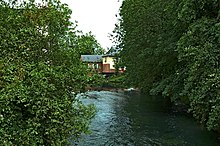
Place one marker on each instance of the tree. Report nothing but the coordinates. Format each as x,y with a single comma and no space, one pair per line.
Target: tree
149,42
198,50
171,48
89,45
40,68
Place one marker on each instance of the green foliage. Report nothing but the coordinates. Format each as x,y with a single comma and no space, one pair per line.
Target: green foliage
88,45
117,81
199,51
172,48
36,107
39,69
149,41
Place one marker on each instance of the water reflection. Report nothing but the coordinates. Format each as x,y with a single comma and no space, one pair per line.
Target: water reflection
140,120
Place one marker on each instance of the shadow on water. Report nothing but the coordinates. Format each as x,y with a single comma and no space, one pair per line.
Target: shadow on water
131,119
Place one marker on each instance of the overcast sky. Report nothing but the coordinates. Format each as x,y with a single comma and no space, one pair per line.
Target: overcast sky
97,16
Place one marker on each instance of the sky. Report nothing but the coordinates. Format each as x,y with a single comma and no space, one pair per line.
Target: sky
97,16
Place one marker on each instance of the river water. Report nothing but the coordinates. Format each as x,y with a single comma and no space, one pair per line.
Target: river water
131,119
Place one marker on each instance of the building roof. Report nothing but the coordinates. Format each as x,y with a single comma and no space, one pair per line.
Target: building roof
91,58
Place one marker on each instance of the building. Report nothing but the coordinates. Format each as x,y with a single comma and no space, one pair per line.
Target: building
104,64
108,63
93,61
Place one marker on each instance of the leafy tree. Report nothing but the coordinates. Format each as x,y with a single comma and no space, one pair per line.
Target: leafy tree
198,50
149,41
89,45
39,70
172,48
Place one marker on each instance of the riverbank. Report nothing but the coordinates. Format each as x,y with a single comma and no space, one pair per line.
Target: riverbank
113,89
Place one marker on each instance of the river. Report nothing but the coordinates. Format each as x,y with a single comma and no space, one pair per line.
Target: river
131,119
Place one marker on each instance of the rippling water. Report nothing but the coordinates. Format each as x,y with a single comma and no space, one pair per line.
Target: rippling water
130,119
